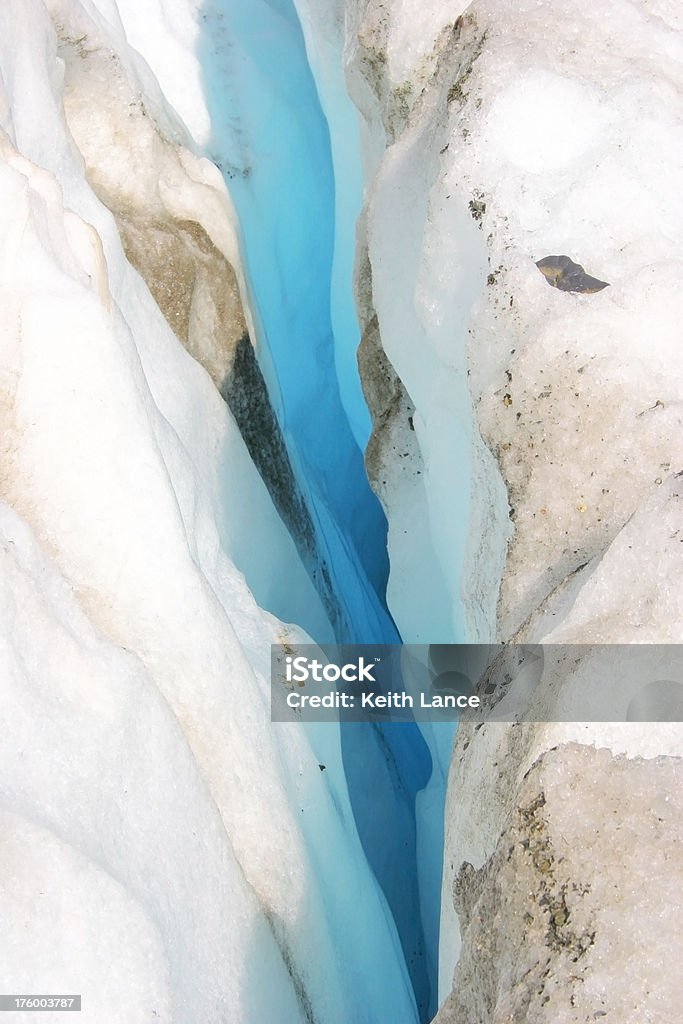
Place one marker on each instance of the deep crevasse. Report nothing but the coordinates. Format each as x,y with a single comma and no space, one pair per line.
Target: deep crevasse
294,191
132,655
270,139
264,127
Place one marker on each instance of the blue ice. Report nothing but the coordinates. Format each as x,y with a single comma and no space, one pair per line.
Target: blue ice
272,142
270,138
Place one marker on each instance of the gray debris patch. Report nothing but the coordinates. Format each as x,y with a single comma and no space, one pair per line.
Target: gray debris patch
561,272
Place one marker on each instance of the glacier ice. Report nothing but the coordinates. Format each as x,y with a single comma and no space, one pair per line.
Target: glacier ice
547,936
494,136
140,760
133,654
271,138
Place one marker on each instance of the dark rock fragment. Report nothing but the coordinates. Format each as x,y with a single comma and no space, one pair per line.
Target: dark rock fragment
561,272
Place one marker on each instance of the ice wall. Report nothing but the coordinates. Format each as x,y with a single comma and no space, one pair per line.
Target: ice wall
166,851
546,935
526,439
421,266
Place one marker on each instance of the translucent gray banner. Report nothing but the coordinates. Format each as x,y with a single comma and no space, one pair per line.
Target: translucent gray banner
477,682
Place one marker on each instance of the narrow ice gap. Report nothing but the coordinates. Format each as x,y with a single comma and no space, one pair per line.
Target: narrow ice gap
272,141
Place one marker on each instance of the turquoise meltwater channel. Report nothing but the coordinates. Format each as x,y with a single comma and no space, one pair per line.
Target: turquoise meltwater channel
271,140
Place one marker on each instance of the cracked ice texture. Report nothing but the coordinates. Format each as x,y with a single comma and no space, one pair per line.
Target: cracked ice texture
564,921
